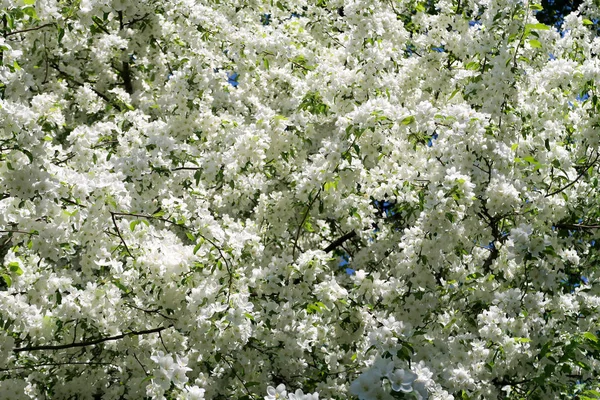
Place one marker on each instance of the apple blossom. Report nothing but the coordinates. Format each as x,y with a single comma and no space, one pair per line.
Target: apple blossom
181,181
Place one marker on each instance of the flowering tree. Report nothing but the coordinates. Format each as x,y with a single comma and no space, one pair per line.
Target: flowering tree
181,180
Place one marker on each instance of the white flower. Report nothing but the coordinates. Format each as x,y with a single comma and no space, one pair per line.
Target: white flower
402,380
299,395
276,393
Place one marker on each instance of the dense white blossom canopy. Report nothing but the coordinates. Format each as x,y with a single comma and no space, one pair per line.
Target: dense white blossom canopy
331,199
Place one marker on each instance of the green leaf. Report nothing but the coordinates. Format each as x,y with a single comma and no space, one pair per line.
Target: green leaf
473,66
330,185
14,267
591,394
454,93
590,336
133,224
587,22
7,279
536,7
544,351
197,247
408,120
538,27
28,154
121,287
522,340
30,11
535,44
29,2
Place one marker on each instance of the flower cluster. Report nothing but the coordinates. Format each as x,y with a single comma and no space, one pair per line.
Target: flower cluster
363,199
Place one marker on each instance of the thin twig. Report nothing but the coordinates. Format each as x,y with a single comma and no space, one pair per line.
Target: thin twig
238,377
156,311
135,20
299,230
15,231
91,342
87,363
29,29
139,362
163,342
186,169
221,254
583,172
112,215
577,226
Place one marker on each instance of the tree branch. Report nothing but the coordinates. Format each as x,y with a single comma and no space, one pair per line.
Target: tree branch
58,364
112,216
577,226
90,342
583,172
339,241
29,29
308,208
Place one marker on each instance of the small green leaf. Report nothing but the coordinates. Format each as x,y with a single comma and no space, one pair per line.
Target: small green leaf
16,66
197,247
29,2
590,394
522,340
454,93
536,7
330,185
538,27
7,279
473,66
408,120
587,22
535,43
14,267
590,336
133,224
30,11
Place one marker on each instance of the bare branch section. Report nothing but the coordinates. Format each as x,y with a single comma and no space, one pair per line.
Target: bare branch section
299,230
583,172
577,226
91,342
339,241
29,29
112,215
